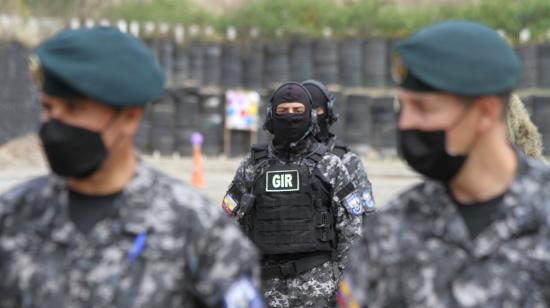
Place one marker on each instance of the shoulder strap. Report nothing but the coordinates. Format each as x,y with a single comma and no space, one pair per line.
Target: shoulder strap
259,152
317,154
339,150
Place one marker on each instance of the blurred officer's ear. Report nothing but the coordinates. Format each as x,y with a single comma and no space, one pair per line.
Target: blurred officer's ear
130,119
491,110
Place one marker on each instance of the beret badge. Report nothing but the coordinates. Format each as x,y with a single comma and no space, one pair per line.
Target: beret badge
398,71
35,68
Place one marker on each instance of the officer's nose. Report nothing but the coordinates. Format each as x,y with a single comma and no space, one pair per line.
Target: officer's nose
406,118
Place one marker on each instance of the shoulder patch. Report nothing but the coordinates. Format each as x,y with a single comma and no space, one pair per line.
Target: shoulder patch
229,204
353,203
345,297
368,200
243,294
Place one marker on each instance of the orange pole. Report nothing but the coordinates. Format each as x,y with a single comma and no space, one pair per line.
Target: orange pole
197,178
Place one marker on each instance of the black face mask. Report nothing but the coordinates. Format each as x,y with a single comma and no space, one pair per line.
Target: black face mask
425,152
72,151
289,128
322,121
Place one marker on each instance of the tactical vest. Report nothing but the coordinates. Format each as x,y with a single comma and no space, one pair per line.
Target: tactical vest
292,213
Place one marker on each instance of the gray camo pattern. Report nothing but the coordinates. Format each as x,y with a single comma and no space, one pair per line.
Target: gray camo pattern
192,256
316,287
417,252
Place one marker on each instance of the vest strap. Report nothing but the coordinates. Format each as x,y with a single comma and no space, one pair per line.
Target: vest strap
295,267
317,155
340,150
259,152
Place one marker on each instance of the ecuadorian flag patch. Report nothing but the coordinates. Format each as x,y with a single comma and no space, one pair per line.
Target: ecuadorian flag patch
229,204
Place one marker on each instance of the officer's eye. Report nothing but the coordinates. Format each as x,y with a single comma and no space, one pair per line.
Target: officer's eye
281,110
74,106
299,110
46,106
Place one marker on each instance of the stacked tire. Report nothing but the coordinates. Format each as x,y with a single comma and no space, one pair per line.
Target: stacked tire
541,114
212,72
383,125
253,64
212,109
231,66
351,61
187,119
163,124
277,63
376,62
358,120
325,57
301,64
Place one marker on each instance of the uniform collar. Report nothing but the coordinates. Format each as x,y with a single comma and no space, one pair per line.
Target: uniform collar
133,204
518,215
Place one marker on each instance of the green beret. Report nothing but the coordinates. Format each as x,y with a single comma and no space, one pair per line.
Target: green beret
460,57
101,63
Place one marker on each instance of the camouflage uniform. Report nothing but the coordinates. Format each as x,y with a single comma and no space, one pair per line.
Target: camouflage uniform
418,252
192,254
356,171
316,287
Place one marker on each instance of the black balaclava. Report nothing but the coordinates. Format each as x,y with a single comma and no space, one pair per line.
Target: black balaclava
290,130
320,100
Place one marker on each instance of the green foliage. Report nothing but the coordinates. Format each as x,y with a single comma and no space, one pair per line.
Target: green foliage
61,8
377,17
289,16
305,17
172,11
513,15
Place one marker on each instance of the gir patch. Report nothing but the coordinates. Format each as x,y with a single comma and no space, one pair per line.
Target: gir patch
282,180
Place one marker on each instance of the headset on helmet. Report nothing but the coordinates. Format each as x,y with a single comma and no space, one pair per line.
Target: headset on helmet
268,124
331,113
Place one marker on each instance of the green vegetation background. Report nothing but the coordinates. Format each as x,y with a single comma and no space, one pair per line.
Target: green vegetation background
303,17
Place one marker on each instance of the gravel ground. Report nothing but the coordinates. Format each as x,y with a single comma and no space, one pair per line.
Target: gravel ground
21,159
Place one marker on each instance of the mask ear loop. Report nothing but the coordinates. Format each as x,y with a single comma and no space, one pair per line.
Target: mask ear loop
110,124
